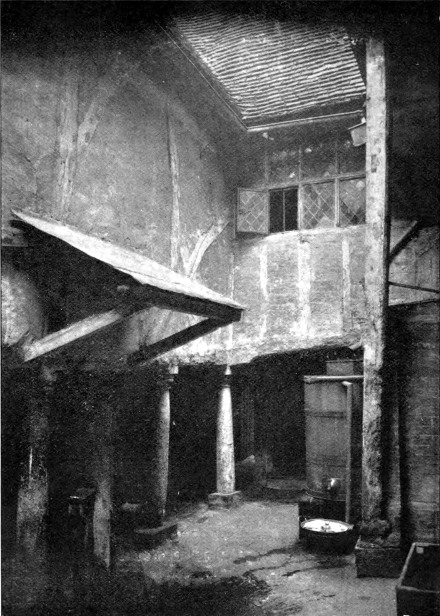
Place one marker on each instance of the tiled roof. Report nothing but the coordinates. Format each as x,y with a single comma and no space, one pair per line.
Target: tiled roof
273,69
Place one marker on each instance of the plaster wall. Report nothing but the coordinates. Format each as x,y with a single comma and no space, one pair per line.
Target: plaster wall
89,140
303,289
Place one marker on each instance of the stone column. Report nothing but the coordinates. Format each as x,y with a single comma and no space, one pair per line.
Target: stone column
162,446
33,492
226,496
102,472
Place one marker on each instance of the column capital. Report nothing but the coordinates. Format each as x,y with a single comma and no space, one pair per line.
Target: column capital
167,376
226,375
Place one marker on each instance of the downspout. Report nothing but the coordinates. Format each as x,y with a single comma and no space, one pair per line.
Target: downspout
348,410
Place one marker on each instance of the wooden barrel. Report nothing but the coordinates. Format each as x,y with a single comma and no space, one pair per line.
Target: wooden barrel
327,438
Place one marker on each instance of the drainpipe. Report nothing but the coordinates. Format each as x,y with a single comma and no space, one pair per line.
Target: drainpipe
349,409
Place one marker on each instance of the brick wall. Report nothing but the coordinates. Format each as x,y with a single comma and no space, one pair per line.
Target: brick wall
417,334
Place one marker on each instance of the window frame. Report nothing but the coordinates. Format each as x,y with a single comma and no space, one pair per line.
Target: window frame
300,185
284,190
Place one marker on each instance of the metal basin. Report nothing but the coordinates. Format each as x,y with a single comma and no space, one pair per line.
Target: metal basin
325,535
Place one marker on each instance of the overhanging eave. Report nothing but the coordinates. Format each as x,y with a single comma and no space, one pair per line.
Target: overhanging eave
159,287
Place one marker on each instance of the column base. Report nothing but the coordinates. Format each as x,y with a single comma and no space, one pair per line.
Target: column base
373,560
151,537
218,500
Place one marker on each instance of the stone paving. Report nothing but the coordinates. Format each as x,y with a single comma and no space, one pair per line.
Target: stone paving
246,561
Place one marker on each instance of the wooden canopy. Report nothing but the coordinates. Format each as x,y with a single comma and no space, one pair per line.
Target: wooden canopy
159,286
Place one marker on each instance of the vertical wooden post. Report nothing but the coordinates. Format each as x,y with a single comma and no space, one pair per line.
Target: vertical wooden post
162,446
376,279
67,128
175,183
226,494
33,492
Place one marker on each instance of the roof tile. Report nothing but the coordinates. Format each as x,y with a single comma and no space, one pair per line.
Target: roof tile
268,68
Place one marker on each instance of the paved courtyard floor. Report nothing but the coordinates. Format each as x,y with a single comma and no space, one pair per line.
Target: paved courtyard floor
246,561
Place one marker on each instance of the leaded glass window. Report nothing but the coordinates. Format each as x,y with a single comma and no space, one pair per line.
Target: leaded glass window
322,185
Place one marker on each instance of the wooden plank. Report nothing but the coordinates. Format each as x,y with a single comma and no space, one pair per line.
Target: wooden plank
189,334
184,303
404,240
376,277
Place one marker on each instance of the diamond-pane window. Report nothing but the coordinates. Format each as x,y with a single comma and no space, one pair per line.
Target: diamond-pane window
253,211
318,205
351,202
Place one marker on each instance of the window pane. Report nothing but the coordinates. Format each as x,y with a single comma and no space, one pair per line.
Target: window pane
252,211
276,218
318,205
291,209
351,202
351,159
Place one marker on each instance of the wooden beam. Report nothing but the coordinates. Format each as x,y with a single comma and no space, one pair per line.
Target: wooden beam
404,240
411,286
57,341
320,378
73,333
376,277
67,137
175,184
189,334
